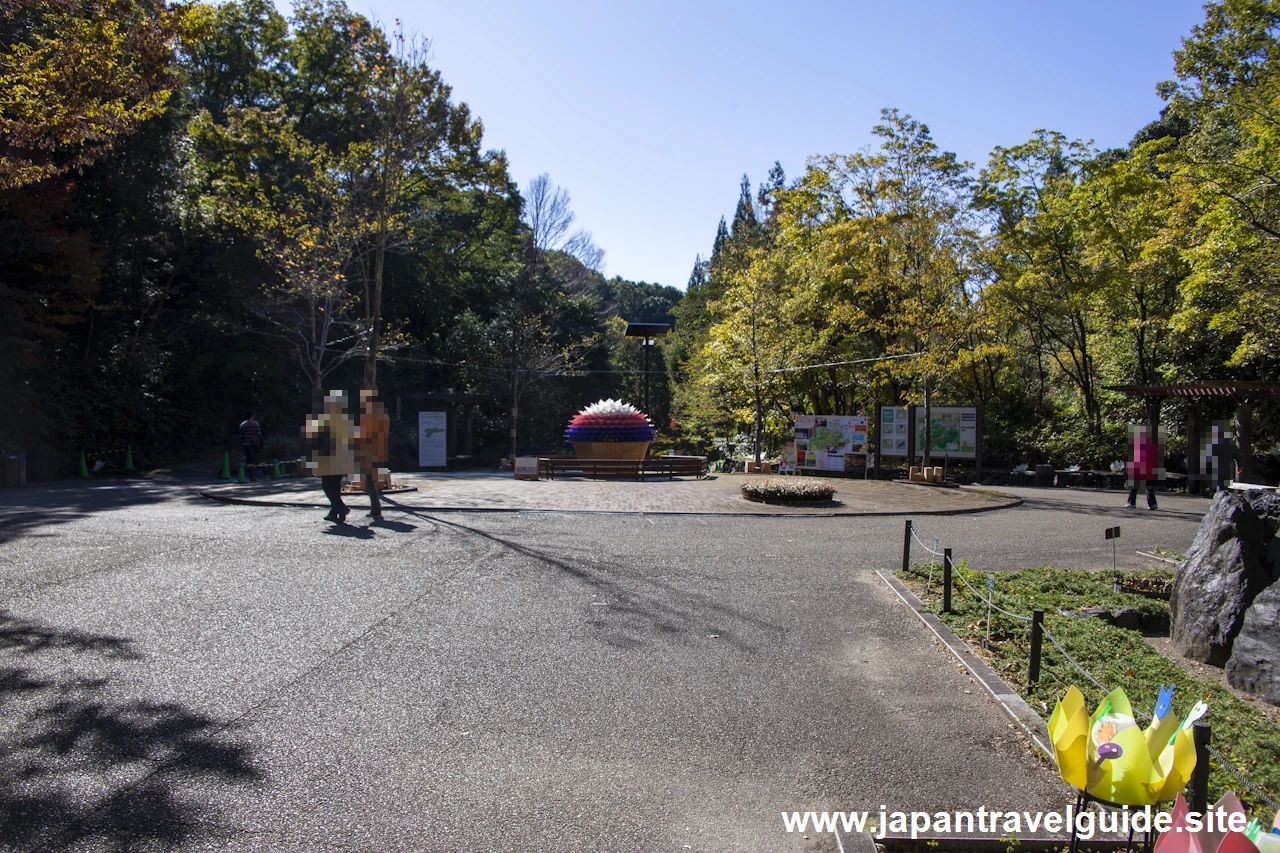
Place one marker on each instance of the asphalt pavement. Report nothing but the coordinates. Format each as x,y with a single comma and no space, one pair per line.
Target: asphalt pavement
177,674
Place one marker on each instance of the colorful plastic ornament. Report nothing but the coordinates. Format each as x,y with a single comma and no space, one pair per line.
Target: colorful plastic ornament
1212,834
1109,757
611,421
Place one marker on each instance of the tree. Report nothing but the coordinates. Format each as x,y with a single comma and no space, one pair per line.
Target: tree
75,77
745,350
1043,282
913,203
290,196
1227,171
549,215
418,141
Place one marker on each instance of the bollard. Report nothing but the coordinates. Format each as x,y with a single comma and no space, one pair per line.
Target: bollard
1037,639
946,580
906,545
1199,782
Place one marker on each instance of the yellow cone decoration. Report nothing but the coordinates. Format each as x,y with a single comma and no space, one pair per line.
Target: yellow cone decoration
1109,757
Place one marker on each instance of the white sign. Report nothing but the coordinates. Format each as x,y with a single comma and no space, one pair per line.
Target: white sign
433,439
526,468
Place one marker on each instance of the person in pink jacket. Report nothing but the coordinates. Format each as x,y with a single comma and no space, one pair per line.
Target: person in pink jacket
1147,465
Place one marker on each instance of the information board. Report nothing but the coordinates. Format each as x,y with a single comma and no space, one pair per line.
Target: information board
829,442
893,431
954,433
433,444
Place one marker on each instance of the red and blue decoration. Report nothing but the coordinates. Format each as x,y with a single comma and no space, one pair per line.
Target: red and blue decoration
610,420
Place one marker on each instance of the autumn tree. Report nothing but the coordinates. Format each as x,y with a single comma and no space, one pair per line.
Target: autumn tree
75,77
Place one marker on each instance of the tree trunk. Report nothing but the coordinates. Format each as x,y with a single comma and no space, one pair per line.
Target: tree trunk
759,412
515,395
928,421
375,310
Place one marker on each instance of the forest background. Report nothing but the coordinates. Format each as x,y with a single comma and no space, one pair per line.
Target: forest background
207,209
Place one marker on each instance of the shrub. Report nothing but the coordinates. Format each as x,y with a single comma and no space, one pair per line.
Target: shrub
792,490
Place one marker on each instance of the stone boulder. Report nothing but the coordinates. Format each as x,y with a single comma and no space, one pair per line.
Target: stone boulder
1254,666
1223,572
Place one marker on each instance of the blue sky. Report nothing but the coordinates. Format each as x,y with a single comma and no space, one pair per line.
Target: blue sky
649,113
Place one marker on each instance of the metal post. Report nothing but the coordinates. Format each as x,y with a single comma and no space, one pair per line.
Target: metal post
906,545
1199,783
645,344
1037,639
946,580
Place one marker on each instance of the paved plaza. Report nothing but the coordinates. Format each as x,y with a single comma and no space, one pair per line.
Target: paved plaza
717,494
182,674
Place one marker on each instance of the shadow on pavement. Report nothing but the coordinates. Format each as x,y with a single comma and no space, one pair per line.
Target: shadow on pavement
634,616
1061,501
22,510
82,766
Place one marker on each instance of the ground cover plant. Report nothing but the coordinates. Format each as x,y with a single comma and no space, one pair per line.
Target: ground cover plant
1246,733
793,490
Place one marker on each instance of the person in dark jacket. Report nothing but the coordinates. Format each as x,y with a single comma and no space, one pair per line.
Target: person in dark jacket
250,443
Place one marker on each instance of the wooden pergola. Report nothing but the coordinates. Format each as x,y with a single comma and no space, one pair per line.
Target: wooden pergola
1245,394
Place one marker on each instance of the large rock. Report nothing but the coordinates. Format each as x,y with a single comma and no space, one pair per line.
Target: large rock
1255,657
1222,574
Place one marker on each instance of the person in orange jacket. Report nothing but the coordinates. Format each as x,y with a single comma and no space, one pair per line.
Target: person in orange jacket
371,445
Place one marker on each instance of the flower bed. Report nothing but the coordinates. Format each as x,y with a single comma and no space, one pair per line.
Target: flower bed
789,491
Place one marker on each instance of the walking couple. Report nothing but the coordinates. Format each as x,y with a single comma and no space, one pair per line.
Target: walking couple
341,448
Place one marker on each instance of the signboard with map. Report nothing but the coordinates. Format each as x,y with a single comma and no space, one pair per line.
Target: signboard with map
829,442
953,434
432,439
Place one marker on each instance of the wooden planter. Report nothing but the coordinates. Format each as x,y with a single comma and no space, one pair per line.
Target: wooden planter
636,450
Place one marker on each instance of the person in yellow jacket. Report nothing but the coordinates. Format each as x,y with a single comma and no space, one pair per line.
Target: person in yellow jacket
332,435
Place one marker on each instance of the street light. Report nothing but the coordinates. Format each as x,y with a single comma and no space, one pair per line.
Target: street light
647,332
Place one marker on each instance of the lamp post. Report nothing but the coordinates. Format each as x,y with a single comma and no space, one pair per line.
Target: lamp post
648,333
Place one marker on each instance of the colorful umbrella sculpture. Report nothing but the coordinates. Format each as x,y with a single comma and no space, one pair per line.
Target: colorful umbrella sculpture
1107,756
610,420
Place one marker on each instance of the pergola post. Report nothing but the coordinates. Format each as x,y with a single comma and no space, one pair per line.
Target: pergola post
1195,465
1244,438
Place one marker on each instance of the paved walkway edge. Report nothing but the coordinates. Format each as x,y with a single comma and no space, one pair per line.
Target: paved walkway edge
1014,705
1011,501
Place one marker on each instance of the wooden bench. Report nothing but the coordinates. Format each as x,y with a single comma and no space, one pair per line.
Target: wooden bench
659,466
676,466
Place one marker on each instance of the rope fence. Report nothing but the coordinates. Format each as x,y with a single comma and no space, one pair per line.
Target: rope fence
1039,630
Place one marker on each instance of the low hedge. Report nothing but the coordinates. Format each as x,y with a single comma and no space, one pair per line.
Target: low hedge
789,490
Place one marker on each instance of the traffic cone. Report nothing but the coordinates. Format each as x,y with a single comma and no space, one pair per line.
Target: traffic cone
128,458
84,466
242,478
226,467
276,473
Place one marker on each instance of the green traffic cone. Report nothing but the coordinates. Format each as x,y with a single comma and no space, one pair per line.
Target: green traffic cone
276,473
84,466
242,478
128,458
226,467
